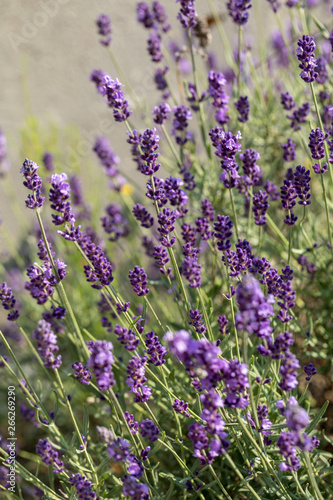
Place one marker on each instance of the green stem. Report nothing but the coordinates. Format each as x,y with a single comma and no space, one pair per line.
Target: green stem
234,210
209,327
239,60
87,455
327,212
312,477
201,114
322,129
62,292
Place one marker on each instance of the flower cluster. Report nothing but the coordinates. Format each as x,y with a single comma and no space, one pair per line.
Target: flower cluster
296,420
111,90
238,10
32,182
47,344
104,29
305,54
83,487
49,455
101,360
136,379
8,302
114,223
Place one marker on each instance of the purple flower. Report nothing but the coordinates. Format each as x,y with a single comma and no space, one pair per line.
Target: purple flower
32,182
207,209
149,430
238,10
223,322
260,207
161,113
107,156
288,200
196,321
288,371
104,29
48,160
8,302
302,185
289,153
155,350
181,406
310,371
101,360
127,338
149,141
254,309
187,13
155,46
83,487
202,227
114,223
320,68
243,108
252,171
180,123
200,357
299,116
100,271
305,54
223,232
236,382
134,489
136,379
49,455
161,256
111,90
142,215
320,170
227,146
132,424
145,15
166,220
316,144
287,101
191,271
82,373
59,195
138,279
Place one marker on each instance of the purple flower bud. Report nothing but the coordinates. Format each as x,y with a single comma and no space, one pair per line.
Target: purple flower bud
138,279
238,10
104,29
32,182
8,302
243,108
305,54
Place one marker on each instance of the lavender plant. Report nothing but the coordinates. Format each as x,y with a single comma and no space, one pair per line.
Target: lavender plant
188,367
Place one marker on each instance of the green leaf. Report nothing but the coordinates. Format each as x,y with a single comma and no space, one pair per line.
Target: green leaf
317,418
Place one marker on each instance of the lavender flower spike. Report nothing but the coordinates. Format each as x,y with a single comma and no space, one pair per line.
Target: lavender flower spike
138,279
8,302
305,54
32,182
104,29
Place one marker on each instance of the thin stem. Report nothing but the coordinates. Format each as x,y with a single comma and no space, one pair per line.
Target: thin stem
88,457
312,477
209,327
234,210
61,290
239,60
322,129
326,210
